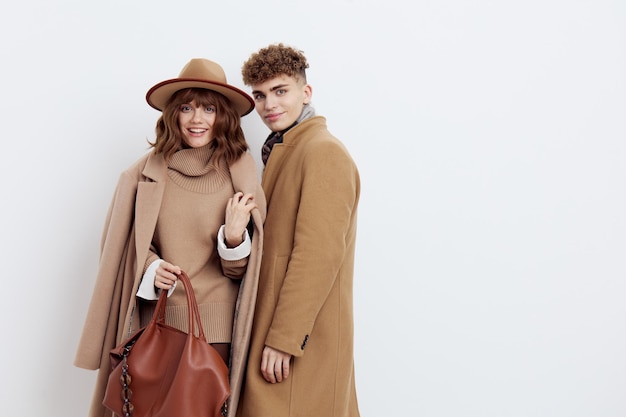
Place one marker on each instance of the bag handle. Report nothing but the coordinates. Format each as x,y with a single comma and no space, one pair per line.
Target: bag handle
192,307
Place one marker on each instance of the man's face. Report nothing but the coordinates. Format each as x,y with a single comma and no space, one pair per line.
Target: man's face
279,101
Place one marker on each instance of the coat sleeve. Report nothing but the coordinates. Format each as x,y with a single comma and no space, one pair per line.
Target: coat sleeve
103,306
328,202
245,179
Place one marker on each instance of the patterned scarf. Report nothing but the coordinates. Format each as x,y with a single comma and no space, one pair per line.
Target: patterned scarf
277,137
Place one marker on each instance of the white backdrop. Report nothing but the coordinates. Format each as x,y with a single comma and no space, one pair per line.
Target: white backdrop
490,135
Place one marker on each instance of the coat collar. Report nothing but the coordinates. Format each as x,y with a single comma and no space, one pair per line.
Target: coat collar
300,130
294,137
155,168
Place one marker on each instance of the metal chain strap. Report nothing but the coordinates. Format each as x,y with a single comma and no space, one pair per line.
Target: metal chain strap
125,380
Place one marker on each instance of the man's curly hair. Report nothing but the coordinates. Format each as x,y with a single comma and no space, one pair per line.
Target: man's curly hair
274,61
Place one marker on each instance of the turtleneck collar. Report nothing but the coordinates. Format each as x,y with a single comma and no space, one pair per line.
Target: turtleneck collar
193,162
196,170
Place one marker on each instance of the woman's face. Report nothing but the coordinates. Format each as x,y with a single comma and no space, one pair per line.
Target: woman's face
196,124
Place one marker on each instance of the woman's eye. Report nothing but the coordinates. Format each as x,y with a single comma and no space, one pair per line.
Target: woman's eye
210,109
185,109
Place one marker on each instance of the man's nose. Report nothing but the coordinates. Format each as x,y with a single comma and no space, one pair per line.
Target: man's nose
270,102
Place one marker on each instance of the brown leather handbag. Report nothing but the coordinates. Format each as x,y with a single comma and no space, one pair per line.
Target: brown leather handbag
161,371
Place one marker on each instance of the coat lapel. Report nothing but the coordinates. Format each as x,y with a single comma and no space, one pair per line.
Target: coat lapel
148,203
280,152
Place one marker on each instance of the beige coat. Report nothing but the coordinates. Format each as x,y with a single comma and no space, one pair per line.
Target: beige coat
128,231
304,305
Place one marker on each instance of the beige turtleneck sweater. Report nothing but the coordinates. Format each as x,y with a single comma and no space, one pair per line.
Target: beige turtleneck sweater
191,213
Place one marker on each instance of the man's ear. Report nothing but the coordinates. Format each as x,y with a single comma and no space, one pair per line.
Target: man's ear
308,93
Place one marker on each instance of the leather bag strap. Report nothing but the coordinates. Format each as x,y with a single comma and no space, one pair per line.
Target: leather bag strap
192,306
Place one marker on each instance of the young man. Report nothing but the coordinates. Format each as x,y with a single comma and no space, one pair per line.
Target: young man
301,355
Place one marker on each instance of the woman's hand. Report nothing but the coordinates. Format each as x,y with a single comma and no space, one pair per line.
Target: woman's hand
166,275
238,211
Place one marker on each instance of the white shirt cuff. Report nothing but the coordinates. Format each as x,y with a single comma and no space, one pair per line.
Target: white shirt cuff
147,290
236,253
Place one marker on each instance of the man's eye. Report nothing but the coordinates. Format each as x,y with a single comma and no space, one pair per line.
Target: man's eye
258,97
281,92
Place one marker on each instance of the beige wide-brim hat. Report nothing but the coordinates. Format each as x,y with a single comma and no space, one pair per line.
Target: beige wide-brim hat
200,73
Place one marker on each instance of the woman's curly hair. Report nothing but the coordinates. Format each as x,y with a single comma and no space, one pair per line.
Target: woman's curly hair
273,61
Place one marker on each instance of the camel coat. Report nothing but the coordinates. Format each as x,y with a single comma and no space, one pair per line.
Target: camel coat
112,316
304,304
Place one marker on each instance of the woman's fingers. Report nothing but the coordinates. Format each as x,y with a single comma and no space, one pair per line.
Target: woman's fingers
166,275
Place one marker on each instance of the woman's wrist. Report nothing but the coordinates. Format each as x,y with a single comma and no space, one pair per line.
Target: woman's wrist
233,242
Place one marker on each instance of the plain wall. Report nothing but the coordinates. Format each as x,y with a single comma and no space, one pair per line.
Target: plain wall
490,137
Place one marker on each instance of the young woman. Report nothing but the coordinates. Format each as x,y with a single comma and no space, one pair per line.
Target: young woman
193,203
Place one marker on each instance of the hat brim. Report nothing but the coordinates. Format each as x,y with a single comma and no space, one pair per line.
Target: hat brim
158,95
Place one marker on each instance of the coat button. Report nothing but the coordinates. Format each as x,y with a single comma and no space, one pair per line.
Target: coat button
306,339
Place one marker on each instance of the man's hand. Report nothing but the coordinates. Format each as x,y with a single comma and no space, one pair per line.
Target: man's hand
275,365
